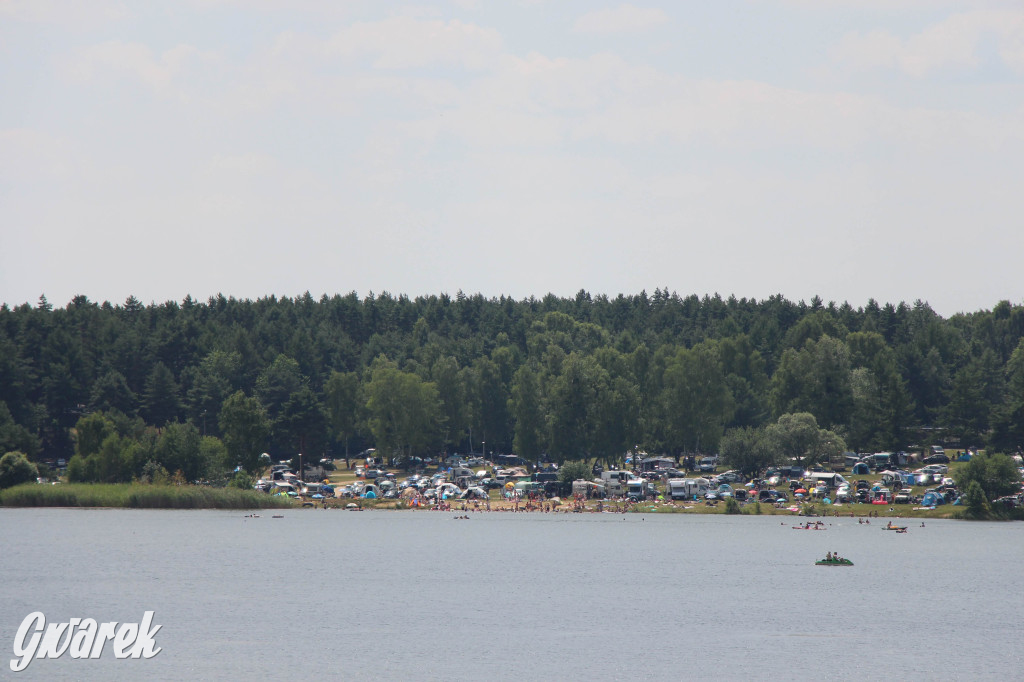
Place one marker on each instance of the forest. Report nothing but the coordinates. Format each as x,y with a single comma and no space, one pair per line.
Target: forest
188,387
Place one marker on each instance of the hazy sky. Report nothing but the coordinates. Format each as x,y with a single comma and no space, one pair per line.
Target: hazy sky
850,149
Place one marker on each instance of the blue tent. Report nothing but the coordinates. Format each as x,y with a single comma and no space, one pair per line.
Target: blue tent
861,469
932,499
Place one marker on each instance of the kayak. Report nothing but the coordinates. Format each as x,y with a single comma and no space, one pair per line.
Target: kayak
833,562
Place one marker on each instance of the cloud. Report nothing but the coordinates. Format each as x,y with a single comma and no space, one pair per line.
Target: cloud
31,153
622,19
896,6
954,43
404,42
79,14
137,61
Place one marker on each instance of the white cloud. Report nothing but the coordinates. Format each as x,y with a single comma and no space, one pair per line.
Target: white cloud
79,14
429,138
137,60
31,153
954,43
404,42
621,19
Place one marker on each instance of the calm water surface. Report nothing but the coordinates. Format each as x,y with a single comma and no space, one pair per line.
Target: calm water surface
422,596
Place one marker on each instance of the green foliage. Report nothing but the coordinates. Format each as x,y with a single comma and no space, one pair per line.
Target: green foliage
696,400
77,471
995,474
574,471
246,427
748,450
665,372
161,401
91,430
815,379
977,504
302,423
242,481
797,437
341,403
135,496
154,473
13,436
178,450
527,413
16,469
732,506
404,411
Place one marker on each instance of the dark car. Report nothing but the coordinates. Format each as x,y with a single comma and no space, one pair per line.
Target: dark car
936,459
1009,501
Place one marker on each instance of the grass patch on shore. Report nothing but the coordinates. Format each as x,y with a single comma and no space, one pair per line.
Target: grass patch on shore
137,496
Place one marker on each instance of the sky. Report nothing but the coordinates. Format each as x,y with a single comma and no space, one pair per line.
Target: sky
847,149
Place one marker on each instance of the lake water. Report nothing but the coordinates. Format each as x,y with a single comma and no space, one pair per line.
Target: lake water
501,596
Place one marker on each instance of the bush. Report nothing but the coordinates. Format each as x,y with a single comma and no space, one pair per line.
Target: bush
242,481
574,471
732,506
16,469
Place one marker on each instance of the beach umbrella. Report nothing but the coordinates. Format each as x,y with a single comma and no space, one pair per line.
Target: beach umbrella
798,494
318,496
801,491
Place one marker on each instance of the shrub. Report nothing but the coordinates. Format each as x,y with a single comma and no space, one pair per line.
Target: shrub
15,469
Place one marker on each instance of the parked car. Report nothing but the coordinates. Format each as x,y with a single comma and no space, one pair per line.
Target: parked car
731,476
1009,501
936,459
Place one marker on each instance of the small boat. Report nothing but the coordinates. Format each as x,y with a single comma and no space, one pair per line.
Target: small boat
898,529
834,562
277,516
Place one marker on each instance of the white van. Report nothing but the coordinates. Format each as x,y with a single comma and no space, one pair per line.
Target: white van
832,480
615,482
687,488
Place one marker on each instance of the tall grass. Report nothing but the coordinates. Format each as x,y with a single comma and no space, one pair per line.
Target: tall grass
137,496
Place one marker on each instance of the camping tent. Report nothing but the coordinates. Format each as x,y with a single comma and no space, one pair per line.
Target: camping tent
861,469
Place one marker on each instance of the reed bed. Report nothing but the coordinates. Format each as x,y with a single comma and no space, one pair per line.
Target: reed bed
137,496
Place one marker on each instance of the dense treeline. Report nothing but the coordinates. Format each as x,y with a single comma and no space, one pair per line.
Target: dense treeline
225,380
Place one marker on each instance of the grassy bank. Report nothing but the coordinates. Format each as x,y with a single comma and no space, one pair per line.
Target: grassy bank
137,496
